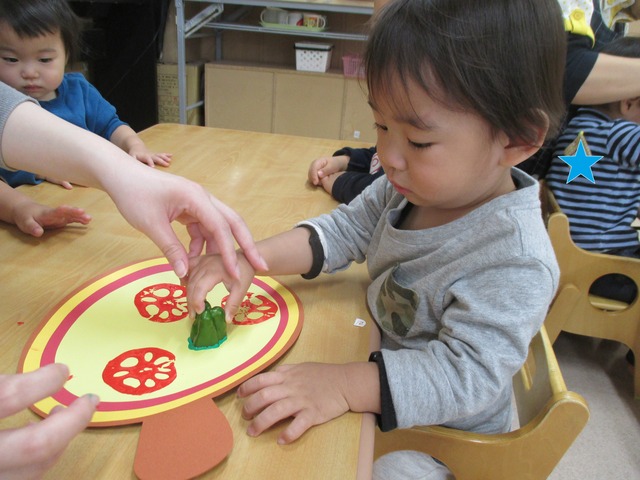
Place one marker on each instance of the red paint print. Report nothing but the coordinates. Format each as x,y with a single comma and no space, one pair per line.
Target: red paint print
162,303
253,310
140,371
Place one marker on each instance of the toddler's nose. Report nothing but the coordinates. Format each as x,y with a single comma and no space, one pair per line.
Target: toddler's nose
29,72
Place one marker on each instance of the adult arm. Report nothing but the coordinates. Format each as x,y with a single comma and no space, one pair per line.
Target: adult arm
611,79
148,198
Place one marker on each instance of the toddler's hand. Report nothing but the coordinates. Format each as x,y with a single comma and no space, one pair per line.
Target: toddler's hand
62,183
325,166
151,159
33,218
328,181
205,272
309,392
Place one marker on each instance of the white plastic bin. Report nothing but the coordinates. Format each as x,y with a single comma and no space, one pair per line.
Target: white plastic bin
313,57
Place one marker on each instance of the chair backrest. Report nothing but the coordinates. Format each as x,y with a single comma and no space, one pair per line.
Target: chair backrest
538,381
551,417
574,309
584,314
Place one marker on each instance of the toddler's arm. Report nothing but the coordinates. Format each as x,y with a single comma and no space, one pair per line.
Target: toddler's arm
286,253
129,141
310,393
32,217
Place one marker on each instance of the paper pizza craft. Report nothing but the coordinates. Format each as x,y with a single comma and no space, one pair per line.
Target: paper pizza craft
125,337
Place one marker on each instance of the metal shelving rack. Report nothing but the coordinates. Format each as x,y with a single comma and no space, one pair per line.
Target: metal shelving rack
210,17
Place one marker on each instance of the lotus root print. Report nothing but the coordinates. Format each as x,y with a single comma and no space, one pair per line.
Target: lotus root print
162,303
253,310
140,371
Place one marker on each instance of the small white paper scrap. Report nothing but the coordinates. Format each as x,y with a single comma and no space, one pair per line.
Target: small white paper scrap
359,322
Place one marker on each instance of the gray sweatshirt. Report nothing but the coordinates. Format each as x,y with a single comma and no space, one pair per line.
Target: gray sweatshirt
457,304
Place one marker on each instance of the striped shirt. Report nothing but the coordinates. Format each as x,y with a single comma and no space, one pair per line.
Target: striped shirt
600,213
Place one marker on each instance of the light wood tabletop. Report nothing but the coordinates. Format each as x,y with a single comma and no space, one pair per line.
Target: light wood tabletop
263,177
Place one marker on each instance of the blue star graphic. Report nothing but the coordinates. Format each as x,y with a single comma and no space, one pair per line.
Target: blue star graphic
580,164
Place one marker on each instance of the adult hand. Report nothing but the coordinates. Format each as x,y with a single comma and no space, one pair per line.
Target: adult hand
29,451
150,200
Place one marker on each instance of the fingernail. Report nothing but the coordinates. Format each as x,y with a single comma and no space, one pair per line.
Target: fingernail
93,398
181,269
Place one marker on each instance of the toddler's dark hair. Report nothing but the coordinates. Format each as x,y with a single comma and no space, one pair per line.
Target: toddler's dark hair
623,47
502,59
33,18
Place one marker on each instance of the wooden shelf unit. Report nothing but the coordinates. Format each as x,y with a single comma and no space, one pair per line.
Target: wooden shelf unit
239,21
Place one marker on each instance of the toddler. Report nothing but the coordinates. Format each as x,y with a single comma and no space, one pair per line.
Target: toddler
600,214
453,236
38,38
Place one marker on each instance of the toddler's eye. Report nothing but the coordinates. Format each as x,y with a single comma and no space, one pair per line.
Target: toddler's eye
46,60
377,126
420,145
9,59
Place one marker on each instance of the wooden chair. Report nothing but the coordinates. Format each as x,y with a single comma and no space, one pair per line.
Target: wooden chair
574,309
551,417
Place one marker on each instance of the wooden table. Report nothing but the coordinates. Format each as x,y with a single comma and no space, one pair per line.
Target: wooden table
263,177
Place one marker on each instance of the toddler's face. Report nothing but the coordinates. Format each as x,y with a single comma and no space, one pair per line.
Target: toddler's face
34,66
445,160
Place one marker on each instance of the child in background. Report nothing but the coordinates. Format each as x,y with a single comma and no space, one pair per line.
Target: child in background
600,214
345,174
38,38
32,217
452,234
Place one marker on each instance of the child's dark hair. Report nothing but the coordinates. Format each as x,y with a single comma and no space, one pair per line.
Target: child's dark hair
34,18
623,47
502,59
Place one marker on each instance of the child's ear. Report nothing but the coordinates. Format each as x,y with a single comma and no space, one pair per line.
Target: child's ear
629,104
518,150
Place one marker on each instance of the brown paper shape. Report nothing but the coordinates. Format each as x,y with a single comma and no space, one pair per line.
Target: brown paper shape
183,442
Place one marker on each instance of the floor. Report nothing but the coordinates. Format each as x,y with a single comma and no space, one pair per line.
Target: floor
609,446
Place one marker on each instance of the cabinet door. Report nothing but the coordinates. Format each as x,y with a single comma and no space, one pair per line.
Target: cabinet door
309,105
238,98
357,122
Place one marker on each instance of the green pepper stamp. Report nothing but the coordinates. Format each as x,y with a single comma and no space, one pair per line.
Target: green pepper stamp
209,329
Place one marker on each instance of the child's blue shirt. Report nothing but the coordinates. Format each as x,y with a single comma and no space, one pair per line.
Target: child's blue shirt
80,103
